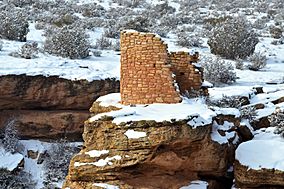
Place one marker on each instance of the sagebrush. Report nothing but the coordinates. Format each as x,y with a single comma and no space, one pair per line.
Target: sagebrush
68,42
218,72
233,39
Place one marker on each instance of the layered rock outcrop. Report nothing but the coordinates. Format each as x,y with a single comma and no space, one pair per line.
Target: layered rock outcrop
49,107
166,154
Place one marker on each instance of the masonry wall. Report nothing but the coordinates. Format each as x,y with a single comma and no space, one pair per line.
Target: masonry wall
146,75
188,76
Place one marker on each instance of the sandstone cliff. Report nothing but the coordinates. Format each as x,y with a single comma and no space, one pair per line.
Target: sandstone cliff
49,107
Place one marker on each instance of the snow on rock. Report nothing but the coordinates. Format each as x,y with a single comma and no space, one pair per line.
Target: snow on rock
196,185
111,99
10,161
101,162
217,137
96,153
105,186
227,111
258,154
267,97
188,108
131,134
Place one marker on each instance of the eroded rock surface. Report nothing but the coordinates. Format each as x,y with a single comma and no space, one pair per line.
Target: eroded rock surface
167,155
49,107
258,179
54,93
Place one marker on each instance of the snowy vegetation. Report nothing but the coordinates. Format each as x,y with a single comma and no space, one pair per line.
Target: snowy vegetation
56,164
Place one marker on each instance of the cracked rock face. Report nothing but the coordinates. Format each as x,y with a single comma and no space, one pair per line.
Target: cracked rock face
260,179
156,155
51,93
49,107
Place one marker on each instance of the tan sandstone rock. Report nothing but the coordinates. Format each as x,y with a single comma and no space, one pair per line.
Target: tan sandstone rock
170,155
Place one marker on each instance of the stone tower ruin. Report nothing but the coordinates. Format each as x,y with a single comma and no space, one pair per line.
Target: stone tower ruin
149,74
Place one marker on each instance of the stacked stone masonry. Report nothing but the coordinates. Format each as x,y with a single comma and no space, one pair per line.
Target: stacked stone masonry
149,74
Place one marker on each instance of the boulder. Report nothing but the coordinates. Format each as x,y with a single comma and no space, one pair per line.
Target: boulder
32,154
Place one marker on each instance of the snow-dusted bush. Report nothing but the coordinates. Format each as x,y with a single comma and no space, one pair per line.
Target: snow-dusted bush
68,42
64,20
20,3
239,64
248,112
29,50
277,120
278,41
185,40
130,3
93,10
233,38
116,45
13,25
57,162
164,8
257,61
97,53
217,71
21,180
226,102
103,43
111,33
10,141
138,23
276,32
169,21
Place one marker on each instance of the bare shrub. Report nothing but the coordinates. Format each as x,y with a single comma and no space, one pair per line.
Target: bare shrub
248,112
226,102
276,32
186,40
116,45
13,25
10,141
29,50
20,3
97,53
57,162
233,39
103,43
257,61
277,120
217,71
68,42
239,64
9,180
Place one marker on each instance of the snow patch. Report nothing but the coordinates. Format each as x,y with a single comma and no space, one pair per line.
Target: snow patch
217,137
101,162
10,161
96,153
131,134
196,185
105,186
